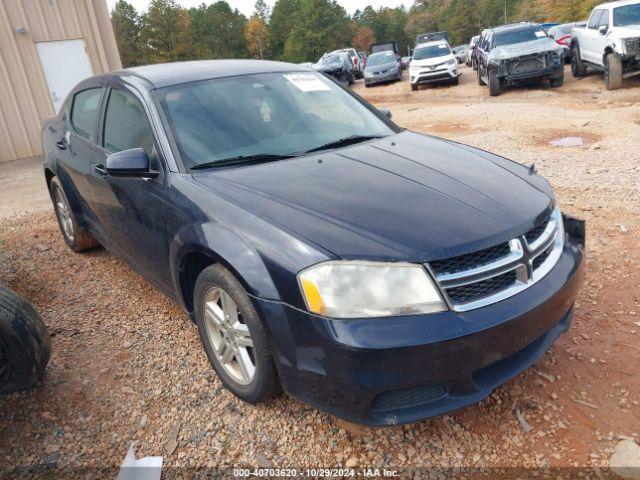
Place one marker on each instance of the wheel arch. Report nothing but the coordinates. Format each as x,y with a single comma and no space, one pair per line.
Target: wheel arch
210,244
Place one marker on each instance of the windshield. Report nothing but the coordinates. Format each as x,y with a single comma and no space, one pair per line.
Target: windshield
432,51
381,59
627,15
518,36
264,114
331,60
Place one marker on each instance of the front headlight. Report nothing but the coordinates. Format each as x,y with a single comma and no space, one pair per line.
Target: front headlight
355,289
368,74
452,63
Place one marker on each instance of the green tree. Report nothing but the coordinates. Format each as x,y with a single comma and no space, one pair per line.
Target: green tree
262,11
217,31
126,27
318,26
465,21
281,23
165,32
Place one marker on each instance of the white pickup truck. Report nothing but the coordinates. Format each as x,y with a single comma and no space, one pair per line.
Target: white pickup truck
610,42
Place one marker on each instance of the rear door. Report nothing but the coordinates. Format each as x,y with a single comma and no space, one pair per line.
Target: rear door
131,210
76,148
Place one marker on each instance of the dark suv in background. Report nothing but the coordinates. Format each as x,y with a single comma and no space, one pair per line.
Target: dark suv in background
521,51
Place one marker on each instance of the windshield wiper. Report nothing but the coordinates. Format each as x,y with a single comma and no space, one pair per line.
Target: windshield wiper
242,159
345,142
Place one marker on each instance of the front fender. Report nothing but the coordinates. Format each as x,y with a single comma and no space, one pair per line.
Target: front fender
227,247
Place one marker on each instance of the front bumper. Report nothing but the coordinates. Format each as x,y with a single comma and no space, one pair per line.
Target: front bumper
388,77
404,369
438,75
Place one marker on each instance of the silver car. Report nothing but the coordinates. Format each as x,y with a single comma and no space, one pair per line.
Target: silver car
381,68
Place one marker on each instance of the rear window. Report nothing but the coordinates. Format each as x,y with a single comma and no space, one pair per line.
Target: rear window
518,36
381,59
84,112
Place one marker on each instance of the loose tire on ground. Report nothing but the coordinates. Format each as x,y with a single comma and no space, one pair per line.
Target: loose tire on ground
76,237
578,67
612,72
264,383
25,345
494,84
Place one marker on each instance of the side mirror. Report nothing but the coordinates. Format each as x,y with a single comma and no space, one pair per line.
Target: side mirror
386,112
603,29
129,163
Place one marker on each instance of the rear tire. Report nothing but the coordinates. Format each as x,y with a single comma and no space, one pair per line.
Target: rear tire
578,67
25,345
253,382
480,81
612,72
76,237
494,84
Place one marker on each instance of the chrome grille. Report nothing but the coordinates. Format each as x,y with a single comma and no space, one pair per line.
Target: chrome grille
632,45
478,279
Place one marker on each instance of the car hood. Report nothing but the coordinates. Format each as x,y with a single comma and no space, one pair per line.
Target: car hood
526,48
380,68
408,197
429,62
630,31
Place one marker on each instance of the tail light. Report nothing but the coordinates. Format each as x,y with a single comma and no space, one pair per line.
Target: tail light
355,61
564,40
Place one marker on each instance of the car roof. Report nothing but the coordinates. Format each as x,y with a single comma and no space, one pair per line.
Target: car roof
620,3
435,42
167,74
514,27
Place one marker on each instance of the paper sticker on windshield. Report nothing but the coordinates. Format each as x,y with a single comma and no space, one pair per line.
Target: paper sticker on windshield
540,34
306,82
442,46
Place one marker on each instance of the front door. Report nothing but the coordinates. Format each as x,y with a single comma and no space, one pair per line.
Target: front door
65,63
131,210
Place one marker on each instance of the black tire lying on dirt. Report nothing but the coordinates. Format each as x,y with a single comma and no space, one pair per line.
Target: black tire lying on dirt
25,345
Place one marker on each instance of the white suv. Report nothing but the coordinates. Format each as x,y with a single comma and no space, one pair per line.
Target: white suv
610,42
433,62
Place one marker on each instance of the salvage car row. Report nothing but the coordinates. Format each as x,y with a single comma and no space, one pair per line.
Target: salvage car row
507,55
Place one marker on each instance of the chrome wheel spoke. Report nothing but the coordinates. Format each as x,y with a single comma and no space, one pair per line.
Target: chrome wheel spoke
230,308
243,337
247,368
214,313
226,353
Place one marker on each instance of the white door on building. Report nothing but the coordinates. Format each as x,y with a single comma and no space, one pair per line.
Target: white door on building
65,63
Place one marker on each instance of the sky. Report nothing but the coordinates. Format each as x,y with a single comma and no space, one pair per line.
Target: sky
246,6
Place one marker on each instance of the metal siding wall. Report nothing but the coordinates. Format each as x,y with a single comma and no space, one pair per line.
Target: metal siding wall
24,95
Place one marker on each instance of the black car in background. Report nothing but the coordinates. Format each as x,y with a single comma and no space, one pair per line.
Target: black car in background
520,51
337,65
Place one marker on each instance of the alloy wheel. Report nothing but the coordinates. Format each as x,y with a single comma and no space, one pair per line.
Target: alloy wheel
64,215
229,336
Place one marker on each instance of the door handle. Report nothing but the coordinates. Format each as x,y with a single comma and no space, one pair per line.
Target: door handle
61,145
99,169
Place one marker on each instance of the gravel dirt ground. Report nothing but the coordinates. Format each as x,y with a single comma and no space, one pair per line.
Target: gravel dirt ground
127,364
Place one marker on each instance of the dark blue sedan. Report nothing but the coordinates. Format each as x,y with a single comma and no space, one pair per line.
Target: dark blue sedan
379,274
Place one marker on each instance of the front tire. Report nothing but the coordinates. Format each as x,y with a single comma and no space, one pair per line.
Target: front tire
233,336
414,87
494,84
612,72
557,80
578,67
76,237
25,345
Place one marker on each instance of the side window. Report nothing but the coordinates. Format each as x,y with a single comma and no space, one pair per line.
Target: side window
84,112
604,19
126,124
595,19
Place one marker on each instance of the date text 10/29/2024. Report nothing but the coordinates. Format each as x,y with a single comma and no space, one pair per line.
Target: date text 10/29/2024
315,472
